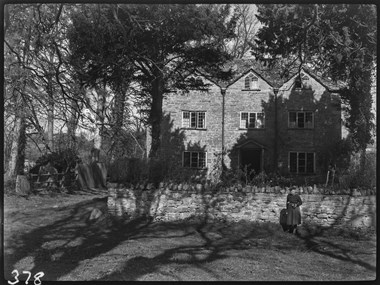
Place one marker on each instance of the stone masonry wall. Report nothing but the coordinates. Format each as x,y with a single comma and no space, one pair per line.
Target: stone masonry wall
319,139
326,132
172,202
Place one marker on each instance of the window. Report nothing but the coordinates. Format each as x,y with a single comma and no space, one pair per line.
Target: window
193,120
194,159
298,83
301,82
301,162
301,120
252,120
251,82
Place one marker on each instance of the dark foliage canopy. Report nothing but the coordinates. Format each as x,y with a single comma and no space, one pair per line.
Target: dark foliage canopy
337,40
109,42
157,46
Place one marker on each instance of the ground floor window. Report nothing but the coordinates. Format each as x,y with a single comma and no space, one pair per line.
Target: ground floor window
302,162
194,159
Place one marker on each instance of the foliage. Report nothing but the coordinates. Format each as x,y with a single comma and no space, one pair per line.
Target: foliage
356,177
38,82
127,170
337,40
125,144
246,28
262,179
279,180
63,161
338,154
160,45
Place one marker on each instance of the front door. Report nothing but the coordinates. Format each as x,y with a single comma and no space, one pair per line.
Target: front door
250,160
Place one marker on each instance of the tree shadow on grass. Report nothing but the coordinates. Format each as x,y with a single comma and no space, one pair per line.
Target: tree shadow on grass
322,239
212,242
320,243
215,242
59,247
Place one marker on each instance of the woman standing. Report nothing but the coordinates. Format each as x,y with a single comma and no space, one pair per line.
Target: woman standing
293,202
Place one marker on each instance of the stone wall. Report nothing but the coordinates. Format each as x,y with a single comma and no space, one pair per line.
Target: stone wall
173,202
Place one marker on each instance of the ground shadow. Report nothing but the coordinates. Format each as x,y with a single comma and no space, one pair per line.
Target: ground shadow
71,240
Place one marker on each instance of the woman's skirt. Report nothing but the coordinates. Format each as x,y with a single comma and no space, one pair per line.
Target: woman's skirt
294,216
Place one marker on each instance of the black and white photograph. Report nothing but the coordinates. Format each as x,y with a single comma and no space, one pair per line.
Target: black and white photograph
189,141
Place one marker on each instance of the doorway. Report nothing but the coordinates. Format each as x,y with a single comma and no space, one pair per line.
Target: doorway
250,160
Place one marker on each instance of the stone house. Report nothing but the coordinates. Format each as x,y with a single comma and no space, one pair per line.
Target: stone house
255,122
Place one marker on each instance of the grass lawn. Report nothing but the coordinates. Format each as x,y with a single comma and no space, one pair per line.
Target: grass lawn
51,234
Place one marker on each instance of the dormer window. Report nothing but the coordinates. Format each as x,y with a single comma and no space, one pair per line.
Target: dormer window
251,82
298,83
301,82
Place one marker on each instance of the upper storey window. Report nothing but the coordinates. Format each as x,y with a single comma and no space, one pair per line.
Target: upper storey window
301,120
298,83
252,120
301,82
193,120
251,82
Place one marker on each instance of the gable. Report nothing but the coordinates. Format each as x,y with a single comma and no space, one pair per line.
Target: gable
240,82
303,82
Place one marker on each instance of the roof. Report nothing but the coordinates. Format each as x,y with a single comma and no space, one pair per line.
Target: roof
328,83
241,67
272,75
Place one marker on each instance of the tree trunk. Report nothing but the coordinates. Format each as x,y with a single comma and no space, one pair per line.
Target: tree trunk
118,118
50,116
156,114
363,159
101,100
72,125
148,142
17,160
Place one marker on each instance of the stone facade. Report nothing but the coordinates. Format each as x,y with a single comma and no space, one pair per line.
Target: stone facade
260,143
173,202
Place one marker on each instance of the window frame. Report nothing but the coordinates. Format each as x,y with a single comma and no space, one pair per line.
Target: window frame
306,164
197,119
248,121
300,83
191,153
297,123
251,82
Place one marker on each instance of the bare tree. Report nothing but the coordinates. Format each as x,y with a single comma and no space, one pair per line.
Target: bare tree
246,28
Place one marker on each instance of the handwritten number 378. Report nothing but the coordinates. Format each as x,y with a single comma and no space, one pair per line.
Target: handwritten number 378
37,277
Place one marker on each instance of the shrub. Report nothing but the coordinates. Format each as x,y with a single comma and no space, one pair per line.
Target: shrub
234,176
63,161
128,170
279,180
355,177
